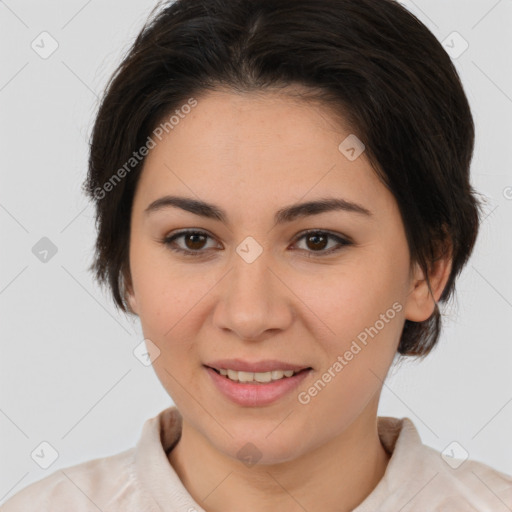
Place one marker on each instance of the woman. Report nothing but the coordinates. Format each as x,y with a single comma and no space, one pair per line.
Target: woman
282,195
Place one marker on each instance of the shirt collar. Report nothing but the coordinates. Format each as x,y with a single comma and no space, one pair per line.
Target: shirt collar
161,433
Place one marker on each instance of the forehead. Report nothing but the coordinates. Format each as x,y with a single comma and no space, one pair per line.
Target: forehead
256,147
226,123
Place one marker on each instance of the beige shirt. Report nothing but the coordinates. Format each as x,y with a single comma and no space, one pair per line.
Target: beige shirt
141,479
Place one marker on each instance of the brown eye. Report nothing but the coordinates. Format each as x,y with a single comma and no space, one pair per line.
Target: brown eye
194,242
317,241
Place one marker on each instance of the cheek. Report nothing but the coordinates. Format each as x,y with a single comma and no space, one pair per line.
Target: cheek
172,299
165,300
160,292
353,296
363,309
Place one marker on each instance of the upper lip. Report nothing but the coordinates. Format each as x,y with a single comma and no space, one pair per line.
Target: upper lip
267,365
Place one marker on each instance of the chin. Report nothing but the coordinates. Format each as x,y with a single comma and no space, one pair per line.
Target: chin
268,453
262,444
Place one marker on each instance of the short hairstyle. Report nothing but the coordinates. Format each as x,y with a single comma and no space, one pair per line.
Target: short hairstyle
370,61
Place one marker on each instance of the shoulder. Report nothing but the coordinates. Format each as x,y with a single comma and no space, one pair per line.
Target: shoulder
129,480
100,484
420,478
466,482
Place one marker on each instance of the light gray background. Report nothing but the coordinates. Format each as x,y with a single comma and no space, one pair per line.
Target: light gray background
68,373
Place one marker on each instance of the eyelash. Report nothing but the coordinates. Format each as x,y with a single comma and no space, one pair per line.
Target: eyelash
168,241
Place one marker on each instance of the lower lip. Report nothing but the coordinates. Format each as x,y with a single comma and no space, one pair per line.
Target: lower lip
256,394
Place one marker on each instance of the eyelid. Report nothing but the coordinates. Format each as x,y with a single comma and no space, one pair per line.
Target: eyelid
342,241
169,239
336,236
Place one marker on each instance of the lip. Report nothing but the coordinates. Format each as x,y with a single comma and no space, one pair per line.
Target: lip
267,365
256,394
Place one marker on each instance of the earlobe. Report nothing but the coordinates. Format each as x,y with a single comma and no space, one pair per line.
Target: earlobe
420,303
129,295
132,303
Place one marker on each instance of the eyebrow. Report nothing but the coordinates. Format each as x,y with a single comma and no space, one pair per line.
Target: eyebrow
283,215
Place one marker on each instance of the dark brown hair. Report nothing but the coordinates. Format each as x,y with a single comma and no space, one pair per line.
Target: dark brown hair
371,61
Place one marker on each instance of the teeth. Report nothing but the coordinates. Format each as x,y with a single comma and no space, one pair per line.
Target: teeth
245,376
256,376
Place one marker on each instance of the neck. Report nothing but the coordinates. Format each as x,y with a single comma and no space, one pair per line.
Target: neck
336,476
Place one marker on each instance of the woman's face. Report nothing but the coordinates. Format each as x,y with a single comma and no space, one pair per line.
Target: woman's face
254,288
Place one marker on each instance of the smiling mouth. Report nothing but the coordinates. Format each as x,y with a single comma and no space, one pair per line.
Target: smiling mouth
257,377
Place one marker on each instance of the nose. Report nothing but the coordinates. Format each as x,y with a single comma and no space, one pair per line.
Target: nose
254,301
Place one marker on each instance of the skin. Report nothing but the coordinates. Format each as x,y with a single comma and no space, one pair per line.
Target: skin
252,155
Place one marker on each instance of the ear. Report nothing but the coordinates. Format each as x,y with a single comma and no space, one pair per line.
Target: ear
129,294
421,302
